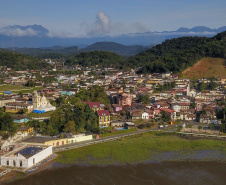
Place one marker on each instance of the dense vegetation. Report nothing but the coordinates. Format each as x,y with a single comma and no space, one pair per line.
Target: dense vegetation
96,58
21,62
7,126
177,54
172,55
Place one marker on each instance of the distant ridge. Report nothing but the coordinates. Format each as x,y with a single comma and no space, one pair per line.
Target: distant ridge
36,36
99,46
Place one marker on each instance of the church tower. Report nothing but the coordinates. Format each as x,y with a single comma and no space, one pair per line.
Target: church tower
36,98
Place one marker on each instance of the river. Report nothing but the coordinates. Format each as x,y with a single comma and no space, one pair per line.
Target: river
150,173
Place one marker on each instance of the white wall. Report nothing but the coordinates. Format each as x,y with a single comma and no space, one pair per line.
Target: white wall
26,163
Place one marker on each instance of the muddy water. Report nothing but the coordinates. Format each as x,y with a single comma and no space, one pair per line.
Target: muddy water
152,173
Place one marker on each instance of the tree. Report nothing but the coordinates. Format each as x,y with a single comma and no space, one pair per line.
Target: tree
202,86
70,127
22,111
143,98
165,116
30,83
212,85
20,94
199,127
7,124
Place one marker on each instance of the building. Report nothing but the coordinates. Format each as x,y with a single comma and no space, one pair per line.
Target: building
14,107
55,142
3,101
41,104
94,105
20,119
26,130
104,118
26,156
124,99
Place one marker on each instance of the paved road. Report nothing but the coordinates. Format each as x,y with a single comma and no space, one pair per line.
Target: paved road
100,140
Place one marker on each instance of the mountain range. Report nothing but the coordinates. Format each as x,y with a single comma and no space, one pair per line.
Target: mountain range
120,49
36,36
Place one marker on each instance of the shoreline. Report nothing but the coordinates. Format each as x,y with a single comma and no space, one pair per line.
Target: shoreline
145,149
52,165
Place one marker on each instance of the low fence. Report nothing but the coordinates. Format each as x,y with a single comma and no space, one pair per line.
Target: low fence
4,172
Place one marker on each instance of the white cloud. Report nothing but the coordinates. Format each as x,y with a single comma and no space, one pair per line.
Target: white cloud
101,26
17,32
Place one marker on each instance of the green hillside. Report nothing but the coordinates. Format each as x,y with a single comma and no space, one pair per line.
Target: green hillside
178,54
93,58
20,62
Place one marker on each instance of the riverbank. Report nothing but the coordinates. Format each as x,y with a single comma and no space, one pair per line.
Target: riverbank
145,147
16,175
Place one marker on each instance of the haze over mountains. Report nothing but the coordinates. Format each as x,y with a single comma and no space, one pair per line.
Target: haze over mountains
36,36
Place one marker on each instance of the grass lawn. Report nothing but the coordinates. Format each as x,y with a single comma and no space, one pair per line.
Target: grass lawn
137,148
36,115
17,88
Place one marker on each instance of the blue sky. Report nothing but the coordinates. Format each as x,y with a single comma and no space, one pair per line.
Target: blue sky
112,17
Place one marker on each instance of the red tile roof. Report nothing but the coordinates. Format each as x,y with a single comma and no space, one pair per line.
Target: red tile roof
93,104
103,113
167,110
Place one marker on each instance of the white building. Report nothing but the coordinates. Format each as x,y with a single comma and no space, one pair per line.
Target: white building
26,156
40,103
145,115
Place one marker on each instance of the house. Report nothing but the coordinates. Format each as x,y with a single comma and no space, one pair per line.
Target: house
14,107
184,106
116,108
124,99
26,130
136,114
26,156
3,101
5,146
104,118
94,105
20,119
79,138
175,106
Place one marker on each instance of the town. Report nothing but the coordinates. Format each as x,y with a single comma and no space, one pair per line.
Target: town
47,109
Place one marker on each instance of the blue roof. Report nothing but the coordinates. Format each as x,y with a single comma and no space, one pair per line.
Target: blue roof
39,111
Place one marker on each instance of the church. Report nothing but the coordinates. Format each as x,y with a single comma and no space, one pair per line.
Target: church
41,104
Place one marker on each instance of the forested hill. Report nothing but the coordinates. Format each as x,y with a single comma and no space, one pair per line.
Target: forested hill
20,62
178,54
116,48
94,58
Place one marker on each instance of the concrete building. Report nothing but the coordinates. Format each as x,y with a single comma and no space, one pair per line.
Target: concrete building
26,156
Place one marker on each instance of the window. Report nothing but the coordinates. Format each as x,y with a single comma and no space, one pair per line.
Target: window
7,162
21,164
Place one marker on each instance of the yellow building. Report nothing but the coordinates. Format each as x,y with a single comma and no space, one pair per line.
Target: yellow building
54,141
27,130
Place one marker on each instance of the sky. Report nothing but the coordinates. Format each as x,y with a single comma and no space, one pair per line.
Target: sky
76,18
